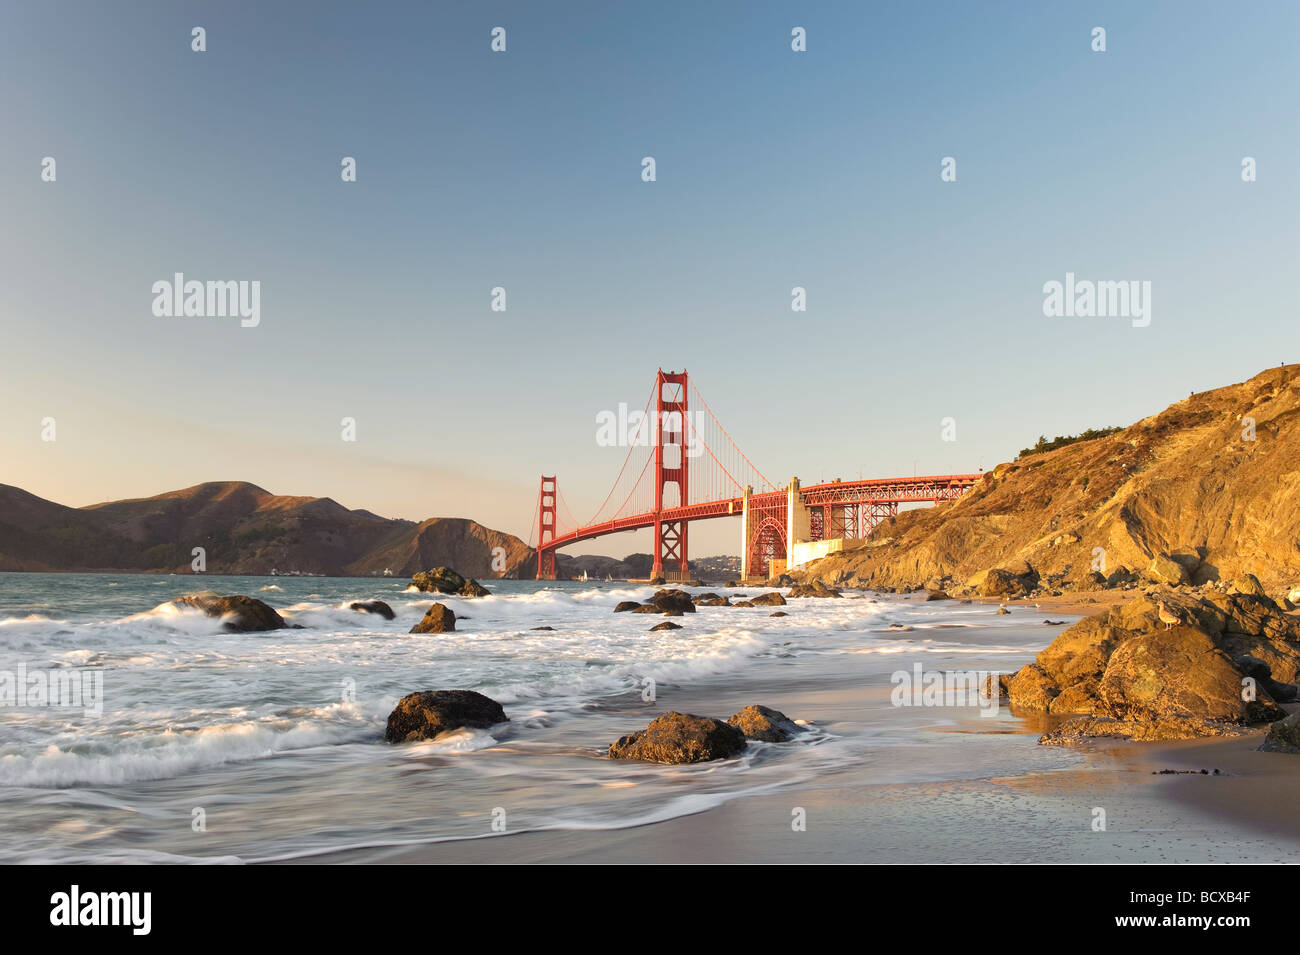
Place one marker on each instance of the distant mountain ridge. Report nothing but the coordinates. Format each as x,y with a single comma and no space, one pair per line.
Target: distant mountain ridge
244,529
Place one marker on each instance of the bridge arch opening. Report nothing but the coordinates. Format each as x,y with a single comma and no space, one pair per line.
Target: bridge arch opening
769,545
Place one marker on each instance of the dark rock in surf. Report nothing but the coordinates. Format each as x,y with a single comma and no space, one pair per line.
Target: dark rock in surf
239,614
472,588
764,723
673,600
373,606
440,580
430,713
680,738
439,618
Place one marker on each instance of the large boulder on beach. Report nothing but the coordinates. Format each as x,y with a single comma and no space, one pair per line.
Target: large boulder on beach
1003,581
439,618
373,606
1079,653
1247,584
678,600
439,580
1163,569
680,738
765,724
427,714
769,599
1283,736
1157,675
238,613
1032,688
1125,673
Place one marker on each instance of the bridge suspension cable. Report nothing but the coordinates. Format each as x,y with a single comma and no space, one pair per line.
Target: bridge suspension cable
532,523
640,485
766,484
568,514
724,472
635,445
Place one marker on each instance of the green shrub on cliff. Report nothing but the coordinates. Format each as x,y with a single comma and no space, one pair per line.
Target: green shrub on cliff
1061,440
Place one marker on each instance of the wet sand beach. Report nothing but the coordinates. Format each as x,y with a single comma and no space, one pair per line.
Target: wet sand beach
1046,814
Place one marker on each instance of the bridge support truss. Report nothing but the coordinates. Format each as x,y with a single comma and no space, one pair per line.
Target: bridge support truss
775,523
848,521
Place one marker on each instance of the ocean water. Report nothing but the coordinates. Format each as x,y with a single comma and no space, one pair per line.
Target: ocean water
218,746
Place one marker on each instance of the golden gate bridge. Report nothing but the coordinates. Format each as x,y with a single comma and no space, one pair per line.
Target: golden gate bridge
781,526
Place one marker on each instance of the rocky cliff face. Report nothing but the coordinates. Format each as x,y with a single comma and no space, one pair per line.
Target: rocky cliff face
244,530
1207,489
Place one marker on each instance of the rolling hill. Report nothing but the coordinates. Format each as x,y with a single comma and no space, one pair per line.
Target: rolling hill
244,529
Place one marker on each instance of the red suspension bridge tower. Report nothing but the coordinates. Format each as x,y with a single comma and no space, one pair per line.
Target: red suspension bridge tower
670,472
546,530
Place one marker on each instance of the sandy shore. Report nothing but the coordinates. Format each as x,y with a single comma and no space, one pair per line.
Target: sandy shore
1051,809
1080,604
1243,817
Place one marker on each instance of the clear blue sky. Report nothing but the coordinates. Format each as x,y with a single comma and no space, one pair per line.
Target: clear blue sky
522,170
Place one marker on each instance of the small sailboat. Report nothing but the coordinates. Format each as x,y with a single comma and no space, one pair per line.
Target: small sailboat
608,578
584,576
387,572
